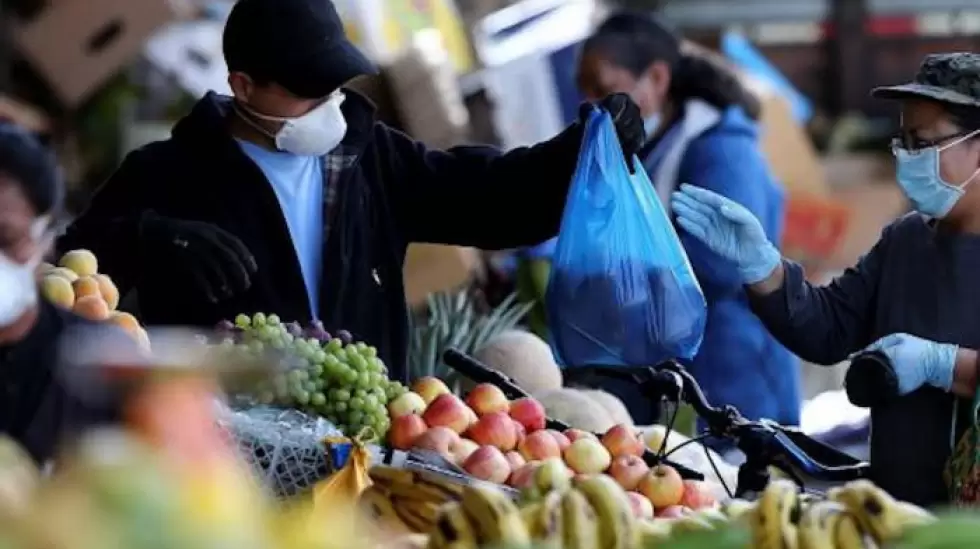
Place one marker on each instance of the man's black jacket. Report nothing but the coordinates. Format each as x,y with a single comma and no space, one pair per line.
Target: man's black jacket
395,192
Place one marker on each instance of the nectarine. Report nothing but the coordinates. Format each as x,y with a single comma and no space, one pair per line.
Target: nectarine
528,412
488,463
494,429
621,440
429,388
405,430
447,411
92,307
628,471
487,398
539,445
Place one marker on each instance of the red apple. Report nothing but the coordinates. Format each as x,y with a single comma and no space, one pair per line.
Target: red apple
429,388
495,429
515,460
462,450
642,508
574,434
408,403
539,445
628,471
440,440
663,486
561,439
524,476
529,413
587,456
697,495
672,512
487,398
622,440
488,463
405,430
447,411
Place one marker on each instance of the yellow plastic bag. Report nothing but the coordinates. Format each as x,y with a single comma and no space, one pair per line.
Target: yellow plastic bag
344,486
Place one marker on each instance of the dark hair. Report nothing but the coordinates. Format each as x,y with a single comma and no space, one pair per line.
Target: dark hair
635,40
966,117
32,167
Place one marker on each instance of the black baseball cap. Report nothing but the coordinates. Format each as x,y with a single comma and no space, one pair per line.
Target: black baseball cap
298,44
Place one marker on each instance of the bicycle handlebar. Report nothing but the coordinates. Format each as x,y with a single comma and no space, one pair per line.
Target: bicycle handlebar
763,442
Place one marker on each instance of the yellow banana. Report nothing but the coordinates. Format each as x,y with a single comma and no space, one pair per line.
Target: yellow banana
712,516
580,526
495,517
378,506
545,523
877,512
652,532
612,507
445,485
452,530
387,476
818,525
550,476
775,516
737,509
427,511
690,523
848,534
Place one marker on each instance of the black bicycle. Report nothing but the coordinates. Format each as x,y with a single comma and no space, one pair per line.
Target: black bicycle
764,443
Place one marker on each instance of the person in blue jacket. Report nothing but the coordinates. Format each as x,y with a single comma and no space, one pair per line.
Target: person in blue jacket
702,130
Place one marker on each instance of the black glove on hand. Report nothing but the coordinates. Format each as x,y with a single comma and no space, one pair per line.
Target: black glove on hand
629,124
217,261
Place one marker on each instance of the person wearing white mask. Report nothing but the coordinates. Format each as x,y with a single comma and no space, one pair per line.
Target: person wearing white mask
913,296
35,409
291,198
702,129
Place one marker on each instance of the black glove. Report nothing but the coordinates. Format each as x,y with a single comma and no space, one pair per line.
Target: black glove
216,260
629,124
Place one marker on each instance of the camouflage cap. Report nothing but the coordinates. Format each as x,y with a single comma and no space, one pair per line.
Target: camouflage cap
947,77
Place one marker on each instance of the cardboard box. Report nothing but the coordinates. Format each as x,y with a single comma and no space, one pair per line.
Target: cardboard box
431,268
77,44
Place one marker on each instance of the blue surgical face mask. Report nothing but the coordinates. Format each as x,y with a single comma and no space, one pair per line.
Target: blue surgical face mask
918,176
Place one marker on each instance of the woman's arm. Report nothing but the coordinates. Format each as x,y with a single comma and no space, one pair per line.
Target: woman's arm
965,373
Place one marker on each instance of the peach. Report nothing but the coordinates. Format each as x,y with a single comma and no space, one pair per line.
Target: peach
628,471
58,290
515,460
86,286
561,439
622,440
672,512
663,486
437,439
574,434
408,403
108,290
446,410
528,412
697,495
405,430
92,307
539,445
488,463
429,388
642,508
462,450
125,321
523,477
67,274
587,456
487,398
82,262
494,429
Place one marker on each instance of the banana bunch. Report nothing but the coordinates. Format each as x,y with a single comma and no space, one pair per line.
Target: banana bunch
854,516
408,499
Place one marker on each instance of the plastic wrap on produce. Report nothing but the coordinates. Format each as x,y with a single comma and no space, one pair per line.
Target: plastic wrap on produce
285,447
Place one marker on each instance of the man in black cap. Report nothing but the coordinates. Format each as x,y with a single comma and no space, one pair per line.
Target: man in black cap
913,298
290,198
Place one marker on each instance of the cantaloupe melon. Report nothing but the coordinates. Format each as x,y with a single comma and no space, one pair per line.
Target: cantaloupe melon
576,409
617,410
524,357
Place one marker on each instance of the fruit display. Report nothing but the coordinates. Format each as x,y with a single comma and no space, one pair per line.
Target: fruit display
331,376
500,441
75,284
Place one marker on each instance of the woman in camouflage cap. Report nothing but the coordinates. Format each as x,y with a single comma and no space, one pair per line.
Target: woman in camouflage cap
915,296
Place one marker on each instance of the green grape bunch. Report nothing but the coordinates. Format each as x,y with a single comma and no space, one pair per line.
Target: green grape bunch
331,376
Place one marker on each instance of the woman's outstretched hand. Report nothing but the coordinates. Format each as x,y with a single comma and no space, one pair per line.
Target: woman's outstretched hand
728,229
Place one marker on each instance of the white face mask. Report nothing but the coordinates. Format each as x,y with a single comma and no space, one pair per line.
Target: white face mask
18,285
316,133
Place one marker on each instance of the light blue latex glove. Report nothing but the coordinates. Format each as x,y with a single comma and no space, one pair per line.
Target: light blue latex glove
918,361
727,229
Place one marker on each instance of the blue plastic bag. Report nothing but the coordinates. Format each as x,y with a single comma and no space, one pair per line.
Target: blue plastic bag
621,291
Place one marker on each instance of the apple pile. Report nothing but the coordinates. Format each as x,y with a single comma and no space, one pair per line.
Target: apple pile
502,441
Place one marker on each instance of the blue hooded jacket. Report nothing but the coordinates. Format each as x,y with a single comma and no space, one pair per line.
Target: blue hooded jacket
740,362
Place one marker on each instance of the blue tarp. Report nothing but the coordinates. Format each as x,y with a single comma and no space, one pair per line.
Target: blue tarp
740,51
